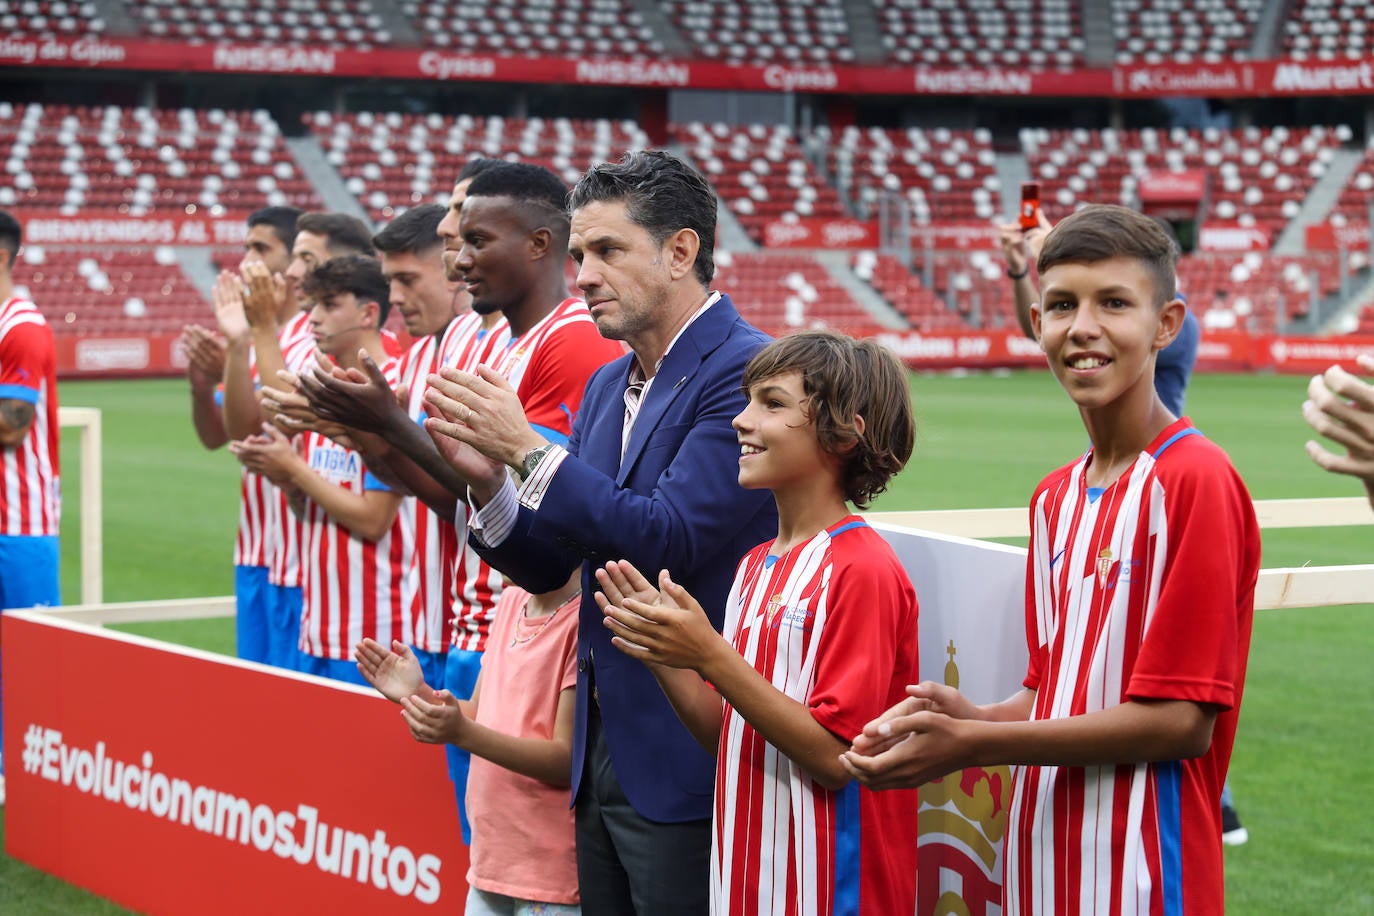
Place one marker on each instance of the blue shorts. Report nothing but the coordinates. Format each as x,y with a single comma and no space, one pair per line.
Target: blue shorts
460,677
29,572
252,613
29,577
284,630
334,669
432,665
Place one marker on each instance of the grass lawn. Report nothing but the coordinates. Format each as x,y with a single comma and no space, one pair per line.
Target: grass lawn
982,441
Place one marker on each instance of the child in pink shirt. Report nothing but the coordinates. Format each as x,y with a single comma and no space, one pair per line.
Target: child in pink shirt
518,728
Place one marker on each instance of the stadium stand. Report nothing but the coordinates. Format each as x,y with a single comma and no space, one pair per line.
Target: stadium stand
945,175
128,291
780,292
393,161
1158,31
760,172
1358,193
1036,34
331,23
1328,29
1259,176
1255,291
43,19
599,28
137,161
771,31
905,292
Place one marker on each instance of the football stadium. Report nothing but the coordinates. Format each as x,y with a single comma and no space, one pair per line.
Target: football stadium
881,169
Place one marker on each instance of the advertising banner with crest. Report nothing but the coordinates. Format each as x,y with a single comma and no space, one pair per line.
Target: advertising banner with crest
972,597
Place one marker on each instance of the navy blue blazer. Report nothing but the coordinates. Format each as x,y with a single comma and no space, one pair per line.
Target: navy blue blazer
673,503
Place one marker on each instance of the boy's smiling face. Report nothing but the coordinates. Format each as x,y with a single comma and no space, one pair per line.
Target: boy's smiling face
1099,328
778,444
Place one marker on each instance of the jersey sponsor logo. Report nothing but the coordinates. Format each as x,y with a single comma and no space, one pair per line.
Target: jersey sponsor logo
334,464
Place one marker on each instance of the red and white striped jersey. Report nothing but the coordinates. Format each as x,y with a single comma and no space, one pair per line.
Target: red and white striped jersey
432,543
1140,590
351,588
283,528
548,366
265,521
30,472
833,625
472,587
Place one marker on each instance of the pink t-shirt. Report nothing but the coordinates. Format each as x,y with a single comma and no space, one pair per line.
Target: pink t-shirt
522,829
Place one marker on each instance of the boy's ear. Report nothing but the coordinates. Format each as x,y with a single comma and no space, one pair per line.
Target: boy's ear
1035,323
1171,315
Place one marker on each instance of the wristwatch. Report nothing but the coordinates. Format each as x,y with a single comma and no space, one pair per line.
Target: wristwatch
532,459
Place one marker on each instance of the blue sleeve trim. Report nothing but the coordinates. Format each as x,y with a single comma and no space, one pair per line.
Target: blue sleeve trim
19,393
1182,433
372,483
552,435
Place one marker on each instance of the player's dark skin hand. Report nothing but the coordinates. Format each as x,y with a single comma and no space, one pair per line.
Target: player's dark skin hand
361,402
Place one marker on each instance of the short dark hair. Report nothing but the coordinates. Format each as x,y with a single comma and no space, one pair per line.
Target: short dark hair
351,273
541,193
474,167
343,234
844,378
416,231
1099,232
662,194
11,235
281,219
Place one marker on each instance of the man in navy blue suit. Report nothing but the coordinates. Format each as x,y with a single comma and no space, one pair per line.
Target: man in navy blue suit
649,475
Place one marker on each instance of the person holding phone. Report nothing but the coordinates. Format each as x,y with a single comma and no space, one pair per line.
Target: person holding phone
1021,243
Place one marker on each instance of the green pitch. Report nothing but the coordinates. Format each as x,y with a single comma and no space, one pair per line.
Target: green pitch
982,441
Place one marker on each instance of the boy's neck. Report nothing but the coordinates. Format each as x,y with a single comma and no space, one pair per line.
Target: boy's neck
1120,432
805,511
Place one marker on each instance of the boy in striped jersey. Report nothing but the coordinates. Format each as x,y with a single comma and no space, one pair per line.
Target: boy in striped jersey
353,568
1139,598
820,633
29,457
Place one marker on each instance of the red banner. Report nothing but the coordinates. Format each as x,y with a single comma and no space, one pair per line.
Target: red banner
957,236
171,780
135,355
1218,351
1231,237
1172,187
46,228
1230,79
1330,237
820,233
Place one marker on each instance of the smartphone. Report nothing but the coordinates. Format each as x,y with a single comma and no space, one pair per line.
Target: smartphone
1030,205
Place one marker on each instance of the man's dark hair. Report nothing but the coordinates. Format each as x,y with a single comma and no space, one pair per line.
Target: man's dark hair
662,194
1100,232
344,234
281,219
11,235
474,167
542,196
351,273
415,231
